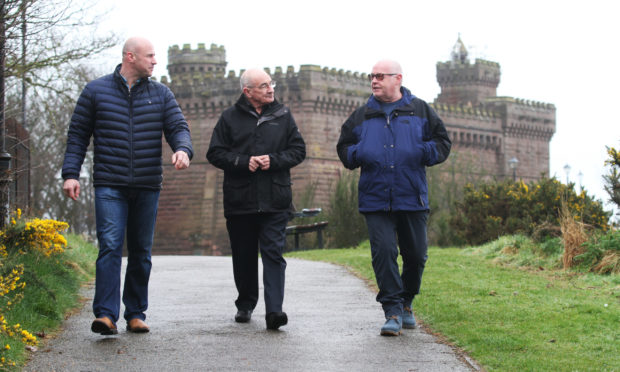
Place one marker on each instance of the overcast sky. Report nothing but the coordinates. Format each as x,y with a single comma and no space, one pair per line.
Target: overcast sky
565,53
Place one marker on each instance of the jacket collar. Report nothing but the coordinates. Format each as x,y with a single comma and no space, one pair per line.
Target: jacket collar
244,104
374,106
123,82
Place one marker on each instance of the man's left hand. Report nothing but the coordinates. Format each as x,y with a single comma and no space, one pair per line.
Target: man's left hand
180,159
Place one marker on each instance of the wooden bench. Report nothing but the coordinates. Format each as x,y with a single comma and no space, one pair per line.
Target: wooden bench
297,230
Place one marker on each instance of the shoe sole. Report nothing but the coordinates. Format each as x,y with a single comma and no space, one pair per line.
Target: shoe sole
407,326
391,333
138,330
277,324
103,329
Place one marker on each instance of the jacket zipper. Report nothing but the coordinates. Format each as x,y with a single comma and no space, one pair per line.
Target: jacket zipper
130,99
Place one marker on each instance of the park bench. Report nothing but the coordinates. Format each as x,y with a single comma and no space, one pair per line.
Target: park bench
297,230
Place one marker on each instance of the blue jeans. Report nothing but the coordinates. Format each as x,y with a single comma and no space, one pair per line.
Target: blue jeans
387,232
119,210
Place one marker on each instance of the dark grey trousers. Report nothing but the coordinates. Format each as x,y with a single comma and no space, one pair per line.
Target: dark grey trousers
388,231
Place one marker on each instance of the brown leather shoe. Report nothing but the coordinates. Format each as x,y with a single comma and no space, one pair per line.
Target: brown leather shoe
137,325
104,326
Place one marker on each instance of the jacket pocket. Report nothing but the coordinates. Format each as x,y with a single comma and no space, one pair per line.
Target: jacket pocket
281,194
237,192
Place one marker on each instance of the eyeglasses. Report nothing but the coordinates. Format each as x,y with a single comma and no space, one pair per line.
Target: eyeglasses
379,76
271,84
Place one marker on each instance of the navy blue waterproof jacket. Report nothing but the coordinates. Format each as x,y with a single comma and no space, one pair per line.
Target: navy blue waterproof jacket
241,133
127,132
393,153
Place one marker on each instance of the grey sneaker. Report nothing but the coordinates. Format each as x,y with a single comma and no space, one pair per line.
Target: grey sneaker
392,326
408,318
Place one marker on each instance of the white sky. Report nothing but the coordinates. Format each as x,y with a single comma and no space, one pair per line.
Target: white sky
565,53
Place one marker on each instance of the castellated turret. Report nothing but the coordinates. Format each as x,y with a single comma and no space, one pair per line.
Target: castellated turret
486,130
466,83
186,63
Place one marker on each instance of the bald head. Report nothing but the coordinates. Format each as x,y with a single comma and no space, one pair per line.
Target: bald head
135,45
386,80
389,65
138,59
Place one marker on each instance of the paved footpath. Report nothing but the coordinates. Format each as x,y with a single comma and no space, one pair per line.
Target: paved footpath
333,325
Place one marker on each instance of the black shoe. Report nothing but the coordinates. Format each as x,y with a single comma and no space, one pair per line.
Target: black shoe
276,319
243,316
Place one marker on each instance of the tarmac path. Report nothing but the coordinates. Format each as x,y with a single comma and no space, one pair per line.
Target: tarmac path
333,325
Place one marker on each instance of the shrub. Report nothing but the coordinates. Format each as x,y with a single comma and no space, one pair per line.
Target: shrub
601,253
612,180
17,239
347,227
505,207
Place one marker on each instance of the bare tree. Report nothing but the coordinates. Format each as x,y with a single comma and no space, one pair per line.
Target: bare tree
45,45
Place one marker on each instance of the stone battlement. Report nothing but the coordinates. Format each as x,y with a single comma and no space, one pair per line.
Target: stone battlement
523,102
477,112
190,67
305,71
467,64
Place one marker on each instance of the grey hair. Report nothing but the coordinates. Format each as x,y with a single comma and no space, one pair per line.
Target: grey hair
249,75
244,80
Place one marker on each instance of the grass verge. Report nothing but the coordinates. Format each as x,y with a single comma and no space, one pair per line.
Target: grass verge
508,318
51,291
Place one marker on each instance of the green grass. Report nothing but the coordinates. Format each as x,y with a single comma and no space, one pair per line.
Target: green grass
52,289
509,318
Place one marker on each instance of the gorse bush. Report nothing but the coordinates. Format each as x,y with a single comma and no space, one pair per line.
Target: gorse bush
491,210
19,239
43,235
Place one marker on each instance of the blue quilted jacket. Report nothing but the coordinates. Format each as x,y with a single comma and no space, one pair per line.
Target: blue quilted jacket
393,153
127,132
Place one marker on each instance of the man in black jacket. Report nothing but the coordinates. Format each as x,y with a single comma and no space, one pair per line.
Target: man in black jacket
256,143
125,113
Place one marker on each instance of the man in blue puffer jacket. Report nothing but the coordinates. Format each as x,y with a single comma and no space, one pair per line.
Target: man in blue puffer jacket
393,138
125,113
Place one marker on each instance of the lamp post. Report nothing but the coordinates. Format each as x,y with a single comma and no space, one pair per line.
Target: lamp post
512,163
567,171
580,176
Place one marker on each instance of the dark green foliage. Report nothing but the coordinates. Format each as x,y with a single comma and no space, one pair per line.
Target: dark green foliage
612,179
597,248
347,227
493,209
445,186
551,247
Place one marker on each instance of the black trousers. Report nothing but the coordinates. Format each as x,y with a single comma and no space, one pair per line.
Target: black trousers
248,234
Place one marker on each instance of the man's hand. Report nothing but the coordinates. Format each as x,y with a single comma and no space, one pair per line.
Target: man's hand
71,188
261,161
180,159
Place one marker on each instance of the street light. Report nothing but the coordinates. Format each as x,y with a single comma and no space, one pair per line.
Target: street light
513,165
580,176
567,171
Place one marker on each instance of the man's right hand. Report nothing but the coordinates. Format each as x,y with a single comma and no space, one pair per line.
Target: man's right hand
71,188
